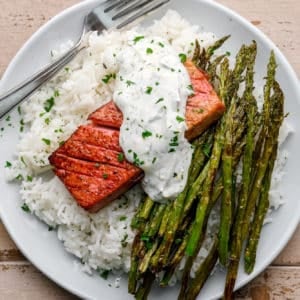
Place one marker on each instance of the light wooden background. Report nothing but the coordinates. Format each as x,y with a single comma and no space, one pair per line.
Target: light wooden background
279,19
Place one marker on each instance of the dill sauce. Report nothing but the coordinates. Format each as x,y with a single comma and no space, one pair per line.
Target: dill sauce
151,90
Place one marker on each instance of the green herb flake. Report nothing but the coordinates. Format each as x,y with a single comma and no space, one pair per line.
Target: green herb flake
154,160
104,274
138,38
46,141
179,119
149,51
136,160
7,164
49,103
50,228
25,208
161,44
149,90
129,83
171,150
56,93
29,178
124,243
47,121
121,157
7,119
228,53
146,134
22,160
108,77
67,69
105,176
19,177
122,218
175,175
159,100
19,110
182,57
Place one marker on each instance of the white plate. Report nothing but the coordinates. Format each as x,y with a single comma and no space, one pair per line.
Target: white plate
44,250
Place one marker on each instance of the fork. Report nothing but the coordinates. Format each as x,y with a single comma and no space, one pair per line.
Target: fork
110,14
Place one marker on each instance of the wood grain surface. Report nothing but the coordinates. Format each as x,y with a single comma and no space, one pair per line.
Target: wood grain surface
19,19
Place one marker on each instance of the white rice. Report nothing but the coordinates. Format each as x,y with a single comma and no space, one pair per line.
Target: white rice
102,240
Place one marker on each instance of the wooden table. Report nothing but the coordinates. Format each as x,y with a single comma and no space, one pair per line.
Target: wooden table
279,19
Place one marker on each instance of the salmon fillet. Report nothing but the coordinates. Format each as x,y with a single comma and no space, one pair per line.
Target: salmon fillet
202,109
91,163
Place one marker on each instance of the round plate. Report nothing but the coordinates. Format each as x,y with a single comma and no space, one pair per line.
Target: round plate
43,248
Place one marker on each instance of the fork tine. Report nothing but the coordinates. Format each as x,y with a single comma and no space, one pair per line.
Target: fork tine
141,13
131,9
119,4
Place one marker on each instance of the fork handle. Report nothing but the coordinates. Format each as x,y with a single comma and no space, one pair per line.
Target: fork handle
17,94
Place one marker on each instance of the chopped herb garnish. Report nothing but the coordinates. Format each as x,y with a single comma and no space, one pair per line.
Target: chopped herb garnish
108,77
67,69
149,90
56,93
173,70
25,207
149,51
105,176
182,57
22,160
50,228
161,44
49,103
138,38
19,110
174,175
129,83
123,218
120,157
46,141
179,119
7,119
123,241
47,121
136,160
159,100
7,164
104,274
156,83
129,151
228,53
171,150
29,178
19,177
154,160
146,134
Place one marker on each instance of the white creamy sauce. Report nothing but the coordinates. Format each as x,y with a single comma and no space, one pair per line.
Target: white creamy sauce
151,90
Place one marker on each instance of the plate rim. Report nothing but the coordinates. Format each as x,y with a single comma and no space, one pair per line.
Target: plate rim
224,9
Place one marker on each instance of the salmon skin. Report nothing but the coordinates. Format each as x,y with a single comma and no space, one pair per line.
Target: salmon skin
91,163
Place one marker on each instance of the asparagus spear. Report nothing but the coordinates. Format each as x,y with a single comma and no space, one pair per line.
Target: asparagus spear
261,165
203,272
227,175
144,288
237,240
277,116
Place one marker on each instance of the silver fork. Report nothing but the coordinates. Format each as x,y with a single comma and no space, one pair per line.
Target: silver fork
109,14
